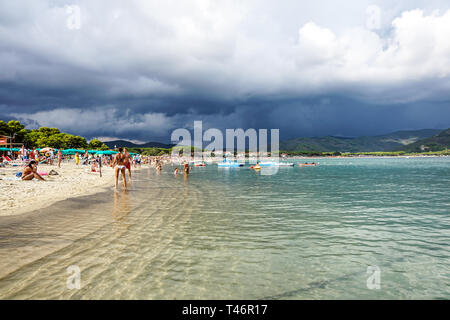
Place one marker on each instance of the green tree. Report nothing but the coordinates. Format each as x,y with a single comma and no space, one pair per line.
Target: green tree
4,128
48,131
15,126
13,129
56,141
72,141
97,144
31,138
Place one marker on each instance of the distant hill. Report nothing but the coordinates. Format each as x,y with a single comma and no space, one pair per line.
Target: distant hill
128,144
387,142
438,142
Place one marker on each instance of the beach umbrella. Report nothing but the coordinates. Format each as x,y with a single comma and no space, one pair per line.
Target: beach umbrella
105,152
45,149
72,151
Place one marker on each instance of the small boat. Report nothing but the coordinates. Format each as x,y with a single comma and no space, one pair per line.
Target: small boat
276,164
229,164
285,164
267,164
199,164
307,164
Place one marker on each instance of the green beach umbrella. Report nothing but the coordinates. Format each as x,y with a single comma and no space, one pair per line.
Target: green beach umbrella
9,149
105,152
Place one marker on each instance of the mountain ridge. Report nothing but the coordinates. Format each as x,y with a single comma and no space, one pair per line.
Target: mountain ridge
129,144
386,142
404,140
437,142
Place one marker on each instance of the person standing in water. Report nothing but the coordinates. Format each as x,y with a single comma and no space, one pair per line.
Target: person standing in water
59,155
127,161
119,160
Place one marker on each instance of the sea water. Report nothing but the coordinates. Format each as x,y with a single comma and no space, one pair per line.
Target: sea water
353,228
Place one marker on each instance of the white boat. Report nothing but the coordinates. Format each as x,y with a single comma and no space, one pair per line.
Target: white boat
228,164
285,164
276,164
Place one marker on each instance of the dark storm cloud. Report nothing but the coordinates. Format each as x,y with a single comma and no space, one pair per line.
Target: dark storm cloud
142,68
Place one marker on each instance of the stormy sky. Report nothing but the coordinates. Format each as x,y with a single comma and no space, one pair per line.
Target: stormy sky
139,69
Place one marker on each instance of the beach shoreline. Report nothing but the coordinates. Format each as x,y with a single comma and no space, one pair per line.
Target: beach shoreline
19,197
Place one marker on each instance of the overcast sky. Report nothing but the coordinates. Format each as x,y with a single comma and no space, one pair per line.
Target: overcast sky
139,69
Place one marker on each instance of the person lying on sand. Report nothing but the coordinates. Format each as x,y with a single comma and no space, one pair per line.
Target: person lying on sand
30,172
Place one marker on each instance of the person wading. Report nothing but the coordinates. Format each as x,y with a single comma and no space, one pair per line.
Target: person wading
127,161
120,161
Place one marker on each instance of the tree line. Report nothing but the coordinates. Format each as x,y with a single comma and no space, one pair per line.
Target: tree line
47,137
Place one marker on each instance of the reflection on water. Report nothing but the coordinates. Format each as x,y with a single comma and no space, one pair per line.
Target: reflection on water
120,211
233,234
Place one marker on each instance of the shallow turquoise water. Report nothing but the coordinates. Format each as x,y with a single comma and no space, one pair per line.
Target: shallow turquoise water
303,233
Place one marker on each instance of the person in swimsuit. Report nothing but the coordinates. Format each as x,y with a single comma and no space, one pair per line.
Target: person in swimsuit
30,172
127,161
59,155
119,160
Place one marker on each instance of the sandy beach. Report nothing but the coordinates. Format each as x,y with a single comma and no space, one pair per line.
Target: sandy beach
18,197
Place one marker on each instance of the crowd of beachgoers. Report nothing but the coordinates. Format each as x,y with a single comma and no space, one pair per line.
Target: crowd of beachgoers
34,179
